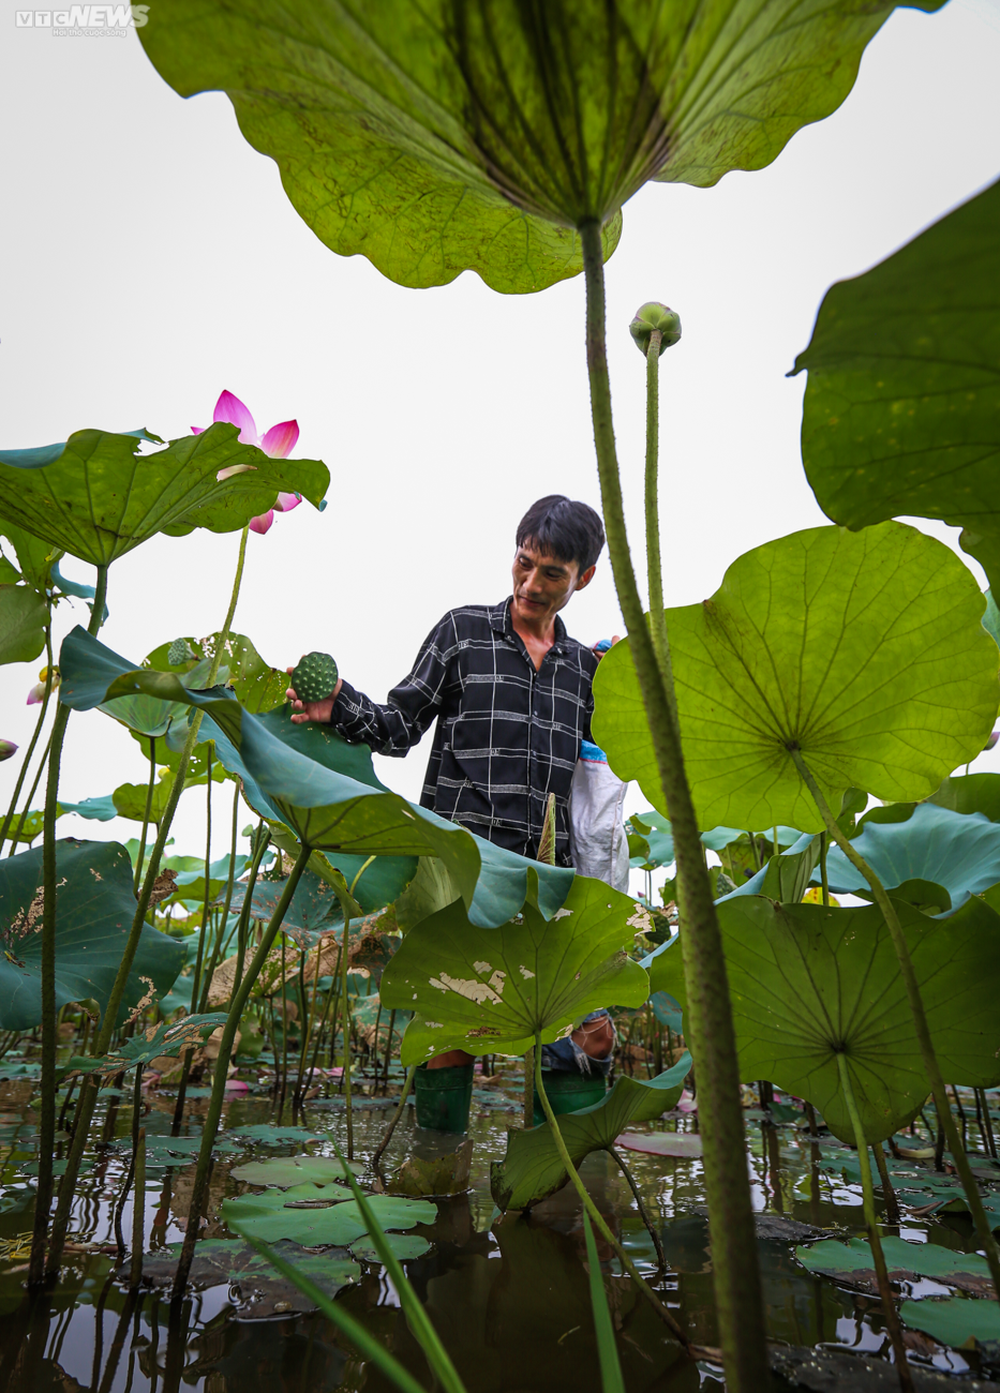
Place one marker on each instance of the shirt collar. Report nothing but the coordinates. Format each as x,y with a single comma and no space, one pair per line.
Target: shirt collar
501,623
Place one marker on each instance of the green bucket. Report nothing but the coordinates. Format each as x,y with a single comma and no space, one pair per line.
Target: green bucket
443,1097
567,1091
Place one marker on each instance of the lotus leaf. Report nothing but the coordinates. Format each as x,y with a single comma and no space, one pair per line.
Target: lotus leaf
785,877
331,811
971,793
255,1287
863,650
259,687
97,498
95,809
956,1320
486,990
157,1042
846,1262
809,982
283,1172
94,912
267,1134
651,842
35,558
902,407
23,617
533,1168
959,851
316,1214
448,136
130,799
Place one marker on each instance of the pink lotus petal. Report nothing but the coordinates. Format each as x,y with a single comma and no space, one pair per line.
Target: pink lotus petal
237,1086
262,524
36,694
231,409
287,501
681,1144
280,440
197,430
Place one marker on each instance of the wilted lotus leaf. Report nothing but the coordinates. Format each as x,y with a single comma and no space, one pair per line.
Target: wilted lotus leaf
479,133
863,650
902,407
163,1041
97,498
482,990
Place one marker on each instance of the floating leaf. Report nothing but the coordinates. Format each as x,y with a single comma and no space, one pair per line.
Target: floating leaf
902,407
863,650
533,1167
95,907
485,990
450,136
97,498
956,1320
679,1145
808,983
23,617
255,1288
267,1134
316,1214
852,1261
285,1171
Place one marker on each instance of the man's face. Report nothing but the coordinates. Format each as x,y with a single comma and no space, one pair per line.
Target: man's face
543,584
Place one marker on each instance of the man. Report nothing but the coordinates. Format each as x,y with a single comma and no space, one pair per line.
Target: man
511,692
512,696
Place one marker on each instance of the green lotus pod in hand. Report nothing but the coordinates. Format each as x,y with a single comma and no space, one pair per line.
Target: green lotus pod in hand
315,677
652,315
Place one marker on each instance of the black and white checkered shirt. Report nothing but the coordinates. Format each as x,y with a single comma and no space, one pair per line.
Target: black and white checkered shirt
507,736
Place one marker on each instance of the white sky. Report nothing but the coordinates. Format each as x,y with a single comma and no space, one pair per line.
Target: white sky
150,259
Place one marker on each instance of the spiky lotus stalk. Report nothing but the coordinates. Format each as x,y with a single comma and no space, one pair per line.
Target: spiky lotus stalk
315,677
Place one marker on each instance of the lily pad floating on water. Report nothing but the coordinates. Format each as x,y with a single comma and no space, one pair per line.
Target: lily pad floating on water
286,1171
256,1289
679,1144
852,1263
316,1215
265,1134
959,1321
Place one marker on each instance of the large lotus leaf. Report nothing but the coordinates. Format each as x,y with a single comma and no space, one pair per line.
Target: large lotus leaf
130,799
258,686
255,1286
95,907
35,558
533,1168
23,617
100,809
865,650
902,409
314,908
808,982
785,877
316,1214
971,793
852,1261
455,135
959,851
486,990
148,716
96,497
285,1171
293,774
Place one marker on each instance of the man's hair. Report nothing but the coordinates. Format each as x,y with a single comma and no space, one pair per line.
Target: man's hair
559,527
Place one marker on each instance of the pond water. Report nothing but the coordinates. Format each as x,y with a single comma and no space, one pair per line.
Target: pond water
507,1294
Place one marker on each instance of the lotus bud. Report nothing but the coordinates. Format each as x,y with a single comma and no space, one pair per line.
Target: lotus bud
991,741
652,316
7,749
37,692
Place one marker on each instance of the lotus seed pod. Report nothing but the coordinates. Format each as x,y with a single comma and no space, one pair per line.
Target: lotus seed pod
315,677
178,652
652,316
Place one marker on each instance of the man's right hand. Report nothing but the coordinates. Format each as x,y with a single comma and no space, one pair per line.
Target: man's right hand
304,711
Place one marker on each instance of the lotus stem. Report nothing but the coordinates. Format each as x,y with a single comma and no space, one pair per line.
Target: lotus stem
137,879
261,842
388,1052
644,1213
528,1110
888,1193
823,846
387,1135
874,1237
735,1275
47,1102
346,1076
654,569
215,1103
88,1096
220,938
138,1212
591,1208
34,737
984,1231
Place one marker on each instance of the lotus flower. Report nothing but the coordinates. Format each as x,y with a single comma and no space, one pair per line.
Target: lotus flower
37,692
277,443
991,741
7,749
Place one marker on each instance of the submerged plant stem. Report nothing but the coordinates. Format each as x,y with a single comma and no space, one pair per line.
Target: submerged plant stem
874,1237
735,1275
984,1231
591,1208
644,1213
888,1193
214,1114
387,1135
47,1102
